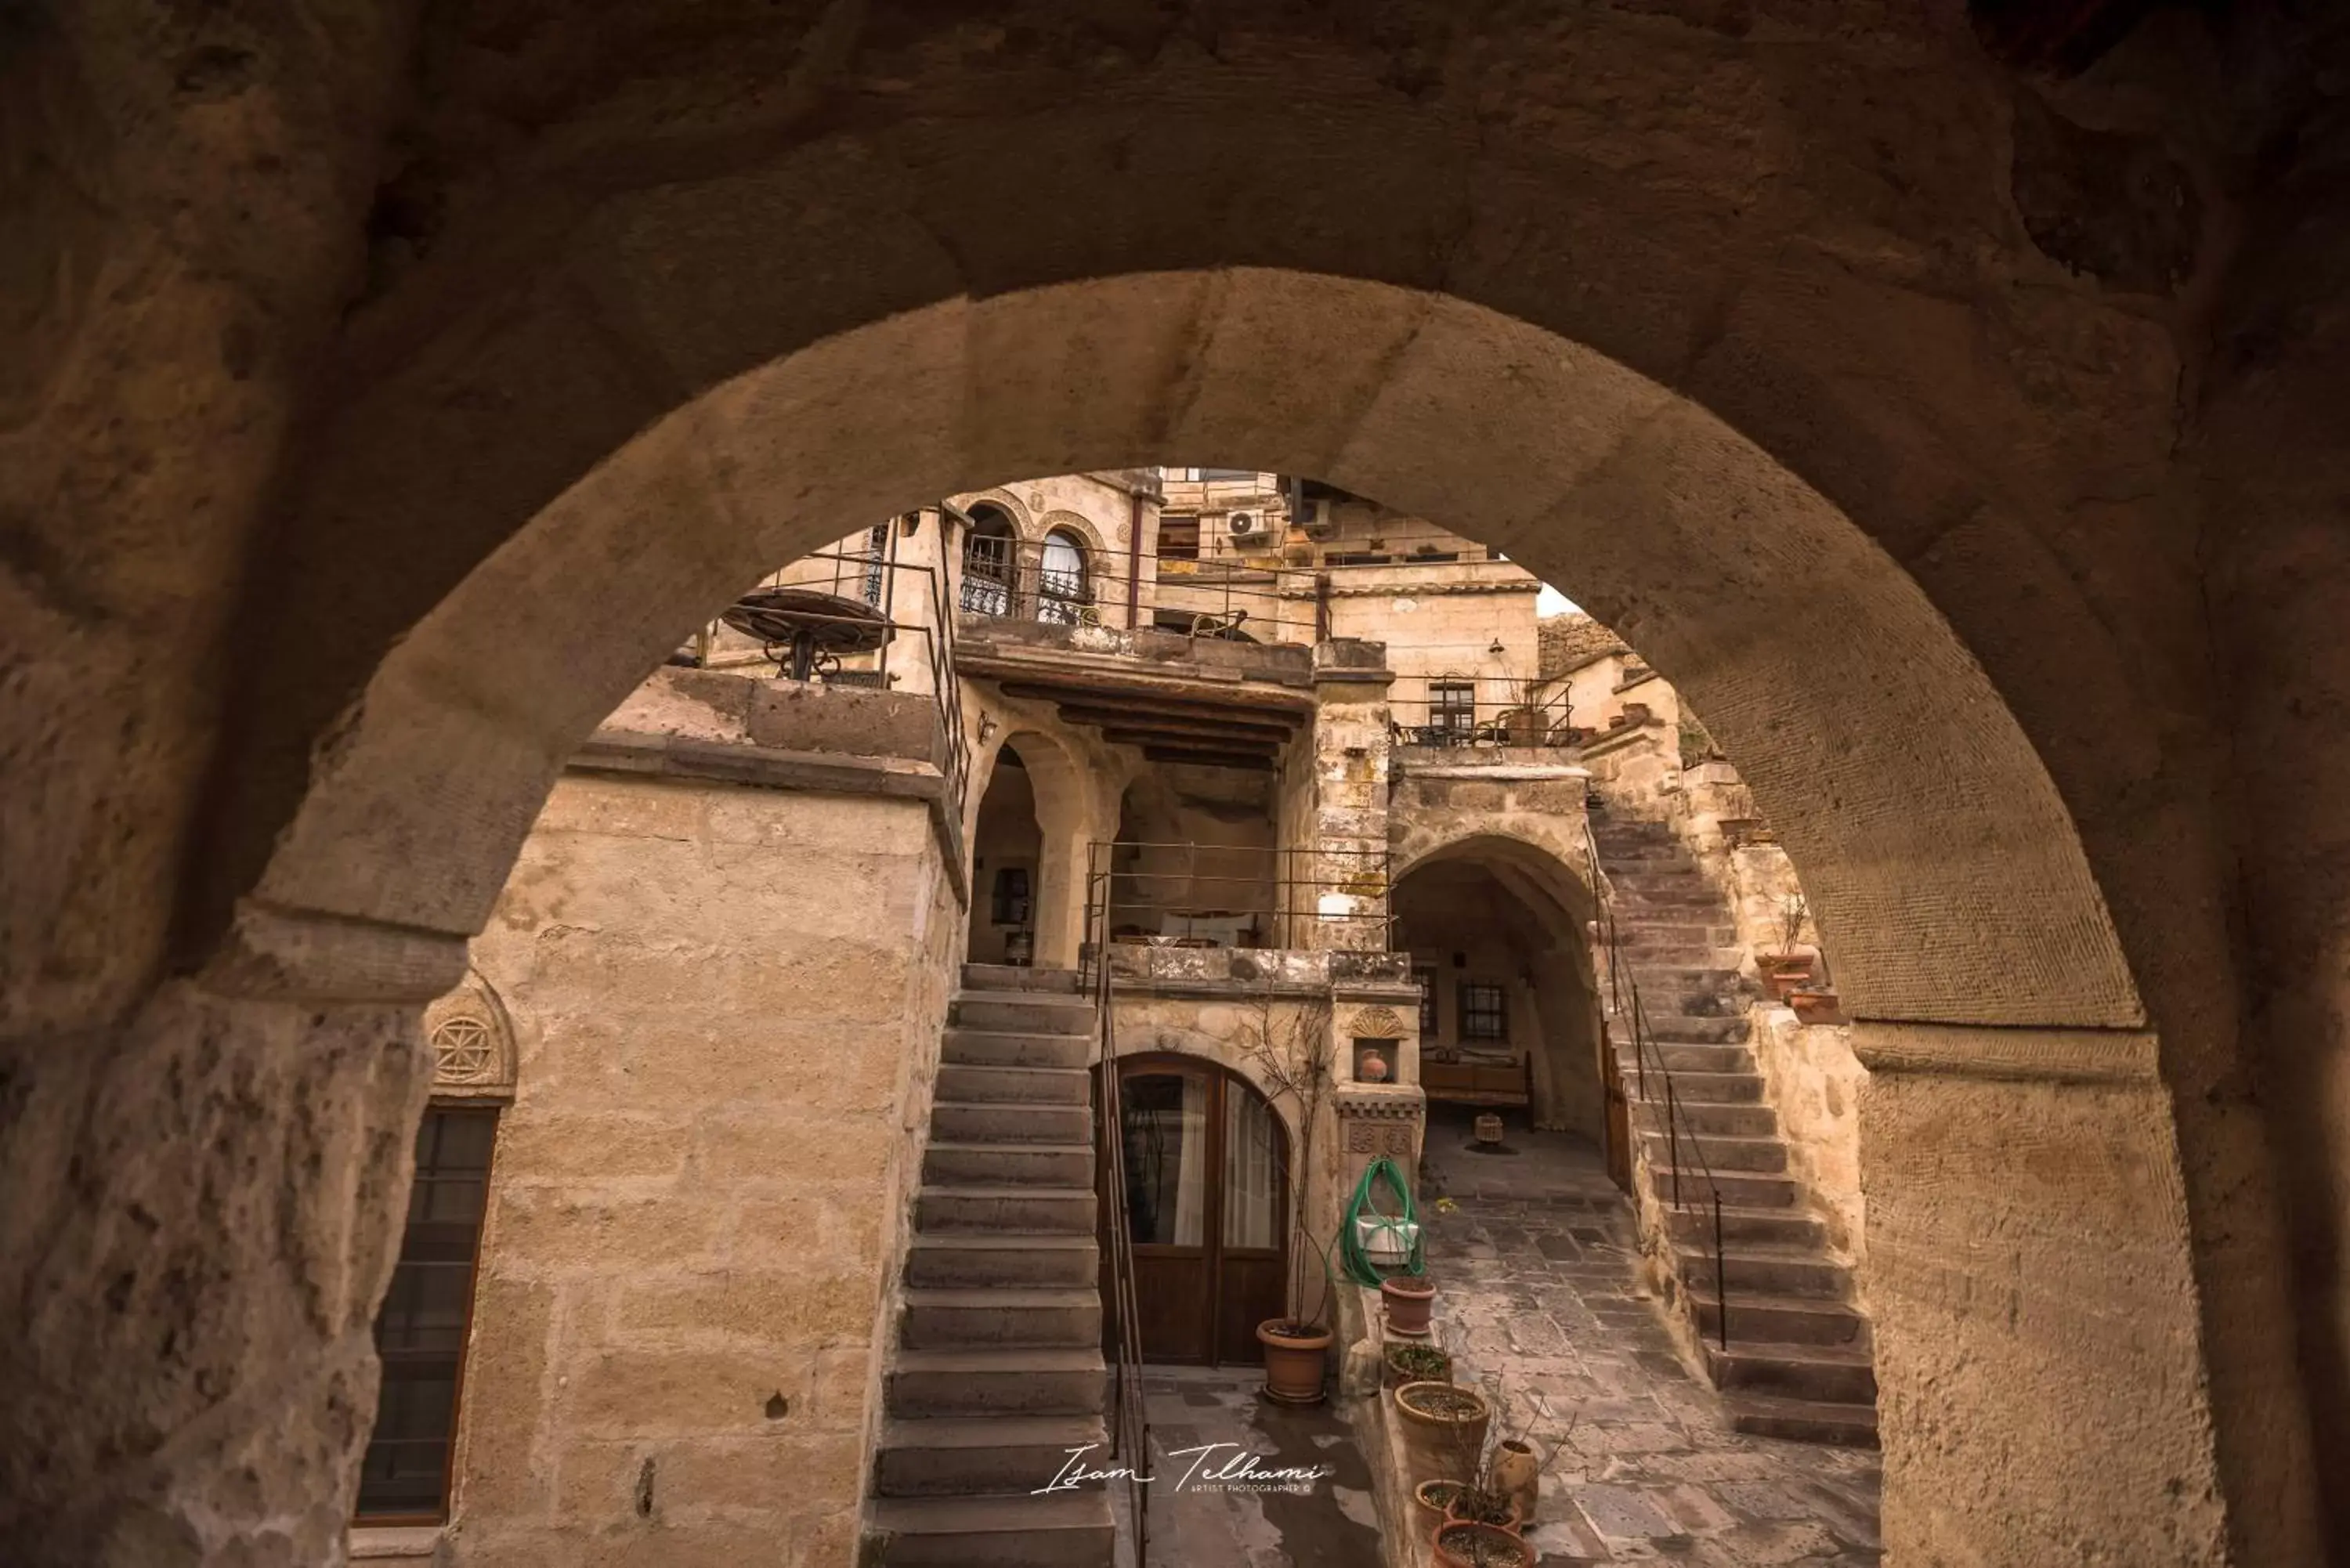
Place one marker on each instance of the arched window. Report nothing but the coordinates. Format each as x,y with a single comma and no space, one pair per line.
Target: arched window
1062,590
987,555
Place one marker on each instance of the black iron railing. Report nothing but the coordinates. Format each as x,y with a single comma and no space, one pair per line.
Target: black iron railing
1129,1409
1188,894
1484,711
907,599
1624,1010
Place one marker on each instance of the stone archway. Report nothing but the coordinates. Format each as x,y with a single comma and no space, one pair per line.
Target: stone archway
1065,793
1823,668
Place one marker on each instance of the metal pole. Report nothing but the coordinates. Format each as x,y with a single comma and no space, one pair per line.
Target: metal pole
1672,1128
1721,1276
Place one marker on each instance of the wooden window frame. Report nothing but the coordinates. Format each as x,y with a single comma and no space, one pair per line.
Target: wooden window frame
360,1517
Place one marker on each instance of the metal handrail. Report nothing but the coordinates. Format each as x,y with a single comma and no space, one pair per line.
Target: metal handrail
1292,879
1129,1406
1621,985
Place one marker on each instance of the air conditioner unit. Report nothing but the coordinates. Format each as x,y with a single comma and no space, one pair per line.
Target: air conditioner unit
1242,525
1316,519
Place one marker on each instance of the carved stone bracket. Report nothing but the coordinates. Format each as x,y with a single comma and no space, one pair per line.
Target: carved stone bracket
1377,1122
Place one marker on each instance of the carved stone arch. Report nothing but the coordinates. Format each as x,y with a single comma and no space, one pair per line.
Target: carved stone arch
1089,532
473,1038
1024,519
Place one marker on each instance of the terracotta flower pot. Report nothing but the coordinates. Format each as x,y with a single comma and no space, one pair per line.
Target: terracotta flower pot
1407,1302
1489,1503
1375,1068
1443,1425
1518,1473
1434,1499
1464,1545
1427,1365
1816,1007
1782,973
1295,1364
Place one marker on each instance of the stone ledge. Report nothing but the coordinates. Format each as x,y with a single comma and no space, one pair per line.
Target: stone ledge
394,1543
2058,1055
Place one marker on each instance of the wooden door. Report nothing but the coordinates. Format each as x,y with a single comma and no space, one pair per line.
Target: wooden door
1205,1208
1619,1115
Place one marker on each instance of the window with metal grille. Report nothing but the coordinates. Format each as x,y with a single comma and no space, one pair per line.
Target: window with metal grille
1178,538
1452,704
877,549
1485,1010
420,1333
987,563
1426,979
1008,901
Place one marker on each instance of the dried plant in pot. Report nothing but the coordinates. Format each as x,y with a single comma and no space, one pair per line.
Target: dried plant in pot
1416,1364
1294,1059
1466,1543
1434,1500
1817,1005
1408,1298
1442,1420
1789,967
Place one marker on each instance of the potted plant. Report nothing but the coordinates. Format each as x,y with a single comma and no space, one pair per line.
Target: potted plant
1408,1298
1817,1004
1443,1422
1434,1498
1293,1058
1410,1363
1789,967
1468,1544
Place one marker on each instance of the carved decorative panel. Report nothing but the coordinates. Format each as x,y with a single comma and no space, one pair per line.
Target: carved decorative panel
472,1042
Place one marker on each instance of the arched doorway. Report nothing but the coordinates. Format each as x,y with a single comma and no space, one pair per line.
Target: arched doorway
1206,1207
1007,863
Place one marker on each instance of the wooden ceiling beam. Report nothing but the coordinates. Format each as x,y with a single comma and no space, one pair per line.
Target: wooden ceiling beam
1140,736
1098,697
1144,719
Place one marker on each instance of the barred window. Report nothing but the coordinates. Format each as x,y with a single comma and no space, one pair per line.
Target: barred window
1485,1010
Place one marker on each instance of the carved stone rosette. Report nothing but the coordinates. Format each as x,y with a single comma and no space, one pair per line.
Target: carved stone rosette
472,1041
1373,1122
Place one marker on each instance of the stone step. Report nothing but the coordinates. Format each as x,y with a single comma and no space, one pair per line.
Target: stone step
1780,1320
1011,1122
955,1457
1066,1530
1019,1013
976,1317
1020,1258
1015,977
1006,1208
1002,1048
949,1258
1008,1165
1803,1420
1692,1229
1621,846
1700,1088
1766,1155
1697,1028
1739,1190
1757,1267
1830,1374
1727,1121
1679,1056
1677,928
971,1085
1641,952
1020,1381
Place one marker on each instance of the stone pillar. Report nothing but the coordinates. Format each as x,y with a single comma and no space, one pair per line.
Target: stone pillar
203,1209
1352,750
2042,1391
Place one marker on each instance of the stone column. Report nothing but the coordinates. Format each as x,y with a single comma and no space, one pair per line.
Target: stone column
203,1209
1352,749
2042,1391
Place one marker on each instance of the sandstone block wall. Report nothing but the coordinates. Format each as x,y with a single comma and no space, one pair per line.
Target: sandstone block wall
728,1003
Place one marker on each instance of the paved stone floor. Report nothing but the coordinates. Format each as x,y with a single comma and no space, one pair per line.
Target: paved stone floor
1536,1284
1199,1521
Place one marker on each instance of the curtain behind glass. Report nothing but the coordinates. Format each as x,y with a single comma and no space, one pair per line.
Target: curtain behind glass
1252,1170
1166,1130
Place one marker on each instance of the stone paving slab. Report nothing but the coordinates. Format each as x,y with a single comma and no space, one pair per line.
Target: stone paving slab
1535,1260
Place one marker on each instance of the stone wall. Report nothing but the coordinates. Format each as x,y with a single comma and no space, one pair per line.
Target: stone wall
727,1001
1816,1084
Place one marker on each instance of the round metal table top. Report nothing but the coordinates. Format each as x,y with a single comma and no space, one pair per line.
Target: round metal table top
832,623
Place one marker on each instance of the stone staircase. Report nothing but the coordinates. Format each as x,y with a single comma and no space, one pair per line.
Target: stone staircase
999,1371
1799,1363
